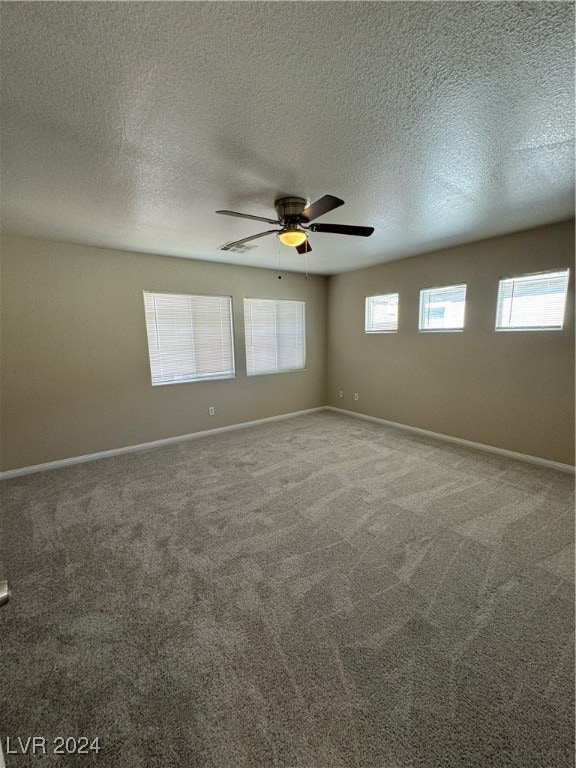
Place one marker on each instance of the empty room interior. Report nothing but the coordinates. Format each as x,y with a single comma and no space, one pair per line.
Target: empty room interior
287,384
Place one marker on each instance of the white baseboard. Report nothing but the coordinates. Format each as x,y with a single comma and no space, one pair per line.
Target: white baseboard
147,446
459,441
568,468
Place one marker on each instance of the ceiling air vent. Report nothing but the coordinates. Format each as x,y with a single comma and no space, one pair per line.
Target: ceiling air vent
236,248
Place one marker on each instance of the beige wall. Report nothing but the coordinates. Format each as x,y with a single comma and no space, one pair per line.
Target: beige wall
75,370
76,377
511,390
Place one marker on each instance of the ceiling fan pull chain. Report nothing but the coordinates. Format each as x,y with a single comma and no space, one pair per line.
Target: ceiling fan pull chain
279,267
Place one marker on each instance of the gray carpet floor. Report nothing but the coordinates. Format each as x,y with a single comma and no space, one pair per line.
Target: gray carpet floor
320,592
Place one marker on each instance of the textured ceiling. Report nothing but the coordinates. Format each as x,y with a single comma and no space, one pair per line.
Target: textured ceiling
128,124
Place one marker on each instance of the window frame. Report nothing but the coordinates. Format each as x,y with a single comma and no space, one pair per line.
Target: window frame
366,304
194,379
304,335
532,328
458,329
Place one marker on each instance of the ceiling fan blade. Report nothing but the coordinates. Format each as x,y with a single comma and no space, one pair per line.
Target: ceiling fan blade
320,207
249,216
304,248
253,237
342,229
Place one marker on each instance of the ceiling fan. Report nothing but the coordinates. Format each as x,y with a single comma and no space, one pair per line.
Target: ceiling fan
293,215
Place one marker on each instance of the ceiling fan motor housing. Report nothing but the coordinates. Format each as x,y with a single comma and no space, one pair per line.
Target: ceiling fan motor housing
290,208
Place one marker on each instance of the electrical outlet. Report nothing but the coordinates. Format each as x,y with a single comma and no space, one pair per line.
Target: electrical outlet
355,395
341,393
210,410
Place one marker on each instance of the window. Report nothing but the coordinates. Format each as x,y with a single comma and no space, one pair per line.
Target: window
275,335
381,314
189,337
532,302
442,309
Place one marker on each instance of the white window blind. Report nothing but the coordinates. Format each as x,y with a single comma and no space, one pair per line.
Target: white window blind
275,335
189,337
532,302
381,314
442,309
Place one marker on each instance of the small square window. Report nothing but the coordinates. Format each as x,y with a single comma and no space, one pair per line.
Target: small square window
442,309
532,302
381,314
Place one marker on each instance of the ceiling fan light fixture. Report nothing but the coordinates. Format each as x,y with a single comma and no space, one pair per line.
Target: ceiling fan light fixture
293,237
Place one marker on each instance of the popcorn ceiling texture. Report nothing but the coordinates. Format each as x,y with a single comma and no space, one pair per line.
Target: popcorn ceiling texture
320,592
128,124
